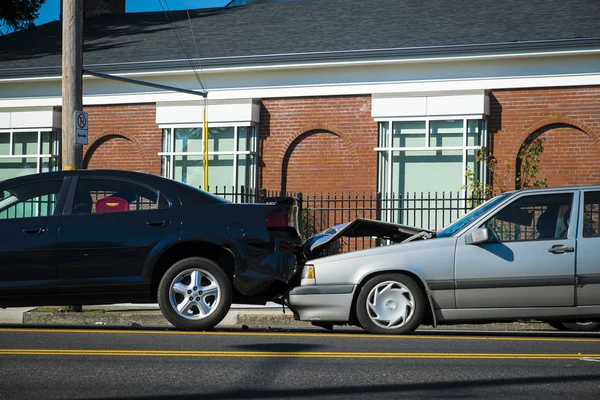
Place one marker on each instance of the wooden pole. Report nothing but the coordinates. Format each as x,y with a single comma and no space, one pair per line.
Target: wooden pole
72,67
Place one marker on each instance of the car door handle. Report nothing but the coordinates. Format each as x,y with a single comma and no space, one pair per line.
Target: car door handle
157,224
35,231
560,249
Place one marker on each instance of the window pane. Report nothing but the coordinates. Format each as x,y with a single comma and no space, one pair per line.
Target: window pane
591,214
533,218
418,177
13,167
382,169
221,139
246,138
188,140
31,200
165,166
384,129
48,164
4,143
95,196
166,140
49,143
220,172
408,134
188,169
446,133
25,143
477,167
475,133
243,172
424,171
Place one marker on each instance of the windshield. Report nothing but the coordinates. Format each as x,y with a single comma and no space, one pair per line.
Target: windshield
471,216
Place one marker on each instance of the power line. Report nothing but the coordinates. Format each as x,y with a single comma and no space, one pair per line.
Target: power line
170,20
194,39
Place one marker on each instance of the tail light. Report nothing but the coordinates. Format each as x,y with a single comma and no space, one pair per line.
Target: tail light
282,219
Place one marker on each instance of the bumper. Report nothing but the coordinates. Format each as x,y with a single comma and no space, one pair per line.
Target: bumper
331,303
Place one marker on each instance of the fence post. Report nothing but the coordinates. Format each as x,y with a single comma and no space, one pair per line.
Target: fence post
243,194
263,195
378,242
300,219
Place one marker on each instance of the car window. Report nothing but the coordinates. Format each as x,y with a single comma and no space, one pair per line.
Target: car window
97,196
591,214
536,217
471,216
29,200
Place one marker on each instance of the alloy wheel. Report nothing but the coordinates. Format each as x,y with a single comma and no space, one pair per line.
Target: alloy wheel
195,294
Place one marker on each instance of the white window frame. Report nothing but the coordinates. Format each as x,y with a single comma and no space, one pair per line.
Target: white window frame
235,153
39,156
464,148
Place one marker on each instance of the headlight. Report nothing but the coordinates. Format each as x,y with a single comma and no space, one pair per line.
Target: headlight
308,275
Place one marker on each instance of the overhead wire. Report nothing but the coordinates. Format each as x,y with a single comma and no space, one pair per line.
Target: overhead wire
193,39
171,20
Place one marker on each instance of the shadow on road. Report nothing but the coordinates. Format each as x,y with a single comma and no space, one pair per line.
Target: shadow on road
427,389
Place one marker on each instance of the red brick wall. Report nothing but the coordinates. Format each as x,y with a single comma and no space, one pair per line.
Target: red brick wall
567,118
123,137
325,144
318,145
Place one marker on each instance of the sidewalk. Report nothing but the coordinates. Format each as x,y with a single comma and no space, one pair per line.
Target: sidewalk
240,316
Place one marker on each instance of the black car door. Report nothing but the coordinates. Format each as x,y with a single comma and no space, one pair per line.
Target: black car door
109,230
29,219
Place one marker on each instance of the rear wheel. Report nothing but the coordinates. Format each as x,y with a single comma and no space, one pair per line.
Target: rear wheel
576,326
390,304
194,294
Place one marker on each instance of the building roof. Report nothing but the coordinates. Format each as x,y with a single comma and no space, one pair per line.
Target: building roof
308,30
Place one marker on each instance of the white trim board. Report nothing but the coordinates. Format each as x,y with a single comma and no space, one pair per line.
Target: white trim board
34,118
193,112
415,87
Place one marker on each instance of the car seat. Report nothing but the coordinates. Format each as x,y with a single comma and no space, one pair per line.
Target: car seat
82,204
111,204
546,223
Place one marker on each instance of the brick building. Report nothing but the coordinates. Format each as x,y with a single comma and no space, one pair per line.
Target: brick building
320,95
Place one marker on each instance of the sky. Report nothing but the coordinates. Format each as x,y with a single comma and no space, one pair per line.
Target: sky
51,8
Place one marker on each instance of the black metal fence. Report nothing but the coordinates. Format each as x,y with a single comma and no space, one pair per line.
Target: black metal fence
320,211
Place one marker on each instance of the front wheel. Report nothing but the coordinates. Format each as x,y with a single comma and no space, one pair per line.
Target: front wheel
576,326
194,294
390,304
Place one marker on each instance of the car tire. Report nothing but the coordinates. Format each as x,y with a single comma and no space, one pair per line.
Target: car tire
576,326
390,304
194,294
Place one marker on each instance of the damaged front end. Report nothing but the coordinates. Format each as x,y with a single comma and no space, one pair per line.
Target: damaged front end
361,227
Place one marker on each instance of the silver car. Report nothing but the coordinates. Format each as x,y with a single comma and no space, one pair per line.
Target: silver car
529,254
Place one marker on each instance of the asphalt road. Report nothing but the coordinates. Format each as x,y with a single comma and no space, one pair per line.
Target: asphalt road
167,364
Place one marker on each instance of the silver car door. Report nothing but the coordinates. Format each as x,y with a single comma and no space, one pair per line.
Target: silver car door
530,262
588,251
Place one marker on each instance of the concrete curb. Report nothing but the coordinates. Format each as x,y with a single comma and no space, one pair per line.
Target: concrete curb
236,318
257,318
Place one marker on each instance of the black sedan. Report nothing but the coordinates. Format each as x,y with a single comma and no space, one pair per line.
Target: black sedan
97,237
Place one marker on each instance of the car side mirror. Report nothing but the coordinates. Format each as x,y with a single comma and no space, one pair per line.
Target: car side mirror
480,236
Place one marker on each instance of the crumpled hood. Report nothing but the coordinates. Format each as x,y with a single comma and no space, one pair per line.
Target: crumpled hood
362,227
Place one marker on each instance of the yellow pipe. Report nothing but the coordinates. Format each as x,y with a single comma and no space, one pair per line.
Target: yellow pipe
205,163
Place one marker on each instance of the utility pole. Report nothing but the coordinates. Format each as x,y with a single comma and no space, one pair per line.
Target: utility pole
72,67
71,154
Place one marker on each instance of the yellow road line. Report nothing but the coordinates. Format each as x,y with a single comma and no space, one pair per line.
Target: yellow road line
308,354
291,334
